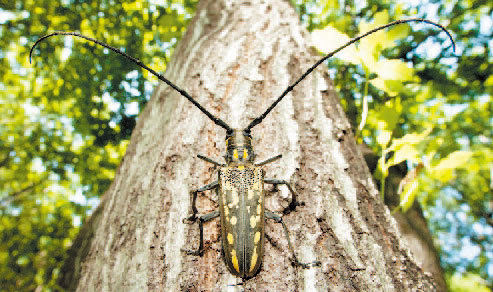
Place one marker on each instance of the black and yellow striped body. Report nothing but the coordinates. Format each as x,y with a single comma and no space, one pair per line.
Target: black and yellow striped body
241,205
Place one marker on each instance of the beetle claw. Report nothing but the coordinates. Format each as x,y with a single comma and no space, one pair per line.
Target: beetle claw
292,206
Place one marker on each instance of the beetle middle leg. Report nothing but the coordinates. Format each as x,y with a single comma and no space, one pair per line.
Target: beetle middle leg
193,194
202,219
296,262
292,205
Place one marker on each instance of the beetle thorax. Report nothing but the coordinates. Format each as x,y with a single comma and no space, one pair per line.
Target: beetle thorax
239,150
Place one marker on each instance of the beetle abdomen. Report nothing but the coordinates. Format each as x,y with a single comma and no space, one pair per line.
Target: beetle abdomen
241,206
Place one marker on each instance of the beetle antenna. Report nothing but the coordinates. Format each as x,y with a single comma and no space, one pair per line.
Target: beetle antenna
259,119
216,120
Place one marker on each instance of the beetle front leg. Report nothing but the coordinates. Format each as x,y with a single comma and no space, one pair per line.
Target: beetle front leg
202,219
193,194
268,160
292,205
296,262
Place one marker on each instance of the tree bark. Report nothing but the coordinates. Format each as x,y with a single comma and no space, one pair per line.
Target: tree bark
236,58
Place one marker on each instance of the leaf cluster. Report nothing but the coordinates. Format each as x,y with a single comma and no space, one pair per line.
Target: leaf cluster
66,118
413,100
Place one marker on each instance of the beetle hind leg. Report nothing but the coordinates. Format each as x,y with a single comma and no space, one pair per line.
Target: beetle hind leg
202,219
296,262
294,203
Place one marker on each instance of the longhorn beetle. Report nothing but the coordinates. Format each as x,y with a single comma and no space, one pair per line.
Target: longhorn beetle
240,183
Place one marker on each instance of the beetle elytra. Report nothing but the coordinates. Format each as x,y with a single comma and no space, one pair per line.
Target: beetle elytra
240,183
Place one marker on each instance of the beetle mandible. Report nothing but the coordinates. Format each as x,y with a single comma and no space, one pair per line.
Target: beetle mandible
240,183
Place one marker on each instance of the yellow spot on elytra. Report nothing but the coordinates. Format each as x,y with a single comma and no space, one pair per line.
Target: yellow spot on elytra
241,167
235,154
257,237
234,259
250,194
254,259
245,154
233,220
226,211
259,208
253,222
231,240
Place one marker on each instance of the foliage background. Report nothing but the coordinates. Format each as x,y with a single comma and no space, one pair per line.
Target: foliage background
66,119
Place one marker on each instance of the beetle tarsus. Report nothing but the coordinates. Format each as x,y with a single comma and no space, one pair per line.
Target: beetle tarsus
202,219
291,207
190,220
294,259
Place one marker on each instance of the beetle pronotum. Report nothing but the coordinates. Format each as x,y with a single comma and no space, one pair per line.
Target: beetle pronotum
240,183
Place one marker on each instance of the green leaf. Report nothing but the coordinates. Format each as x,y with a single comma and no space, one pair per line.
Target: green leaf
408,195
409,139
467,283
489,81
381,84
329,38
444,170
393,70
383,138
386,117
381,17
405,152
393,87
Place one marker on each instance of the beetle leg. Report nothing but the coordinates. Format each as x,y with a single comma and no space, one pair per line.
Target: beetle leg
202,219
193,194
292,205
268,160
210,160
296,262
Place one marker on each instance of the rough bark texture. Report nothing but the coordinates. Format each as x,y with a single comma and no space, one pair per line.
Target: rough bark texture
236,57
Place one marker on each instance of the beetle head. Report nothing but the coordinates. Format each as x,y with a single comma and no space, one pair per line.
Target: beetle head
239,148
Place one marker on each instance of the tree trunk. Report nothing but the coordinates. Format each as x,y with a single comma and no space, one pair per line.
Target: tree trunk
236,58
